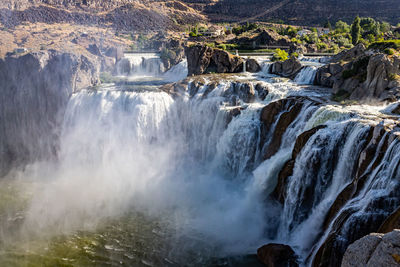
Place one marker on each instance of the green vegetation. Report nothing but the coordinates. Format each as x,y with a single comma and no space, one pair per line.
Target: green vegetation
382,45
356,30
389,51
393,77
340,96
244,28
280,55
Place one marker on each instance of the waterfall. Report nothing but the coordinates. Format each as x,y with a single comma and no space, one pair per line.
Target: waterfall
306,75
140,64
177,72
235,163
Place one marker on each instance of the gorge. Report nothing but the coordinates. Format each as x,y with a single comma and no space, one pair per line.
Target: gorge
202,171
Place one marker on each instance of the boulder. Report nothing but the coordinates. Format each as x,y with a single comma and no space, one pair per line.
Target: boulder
349,54
288,68
374,250
252,65
277,255
362,75
262,90
271,38
204,59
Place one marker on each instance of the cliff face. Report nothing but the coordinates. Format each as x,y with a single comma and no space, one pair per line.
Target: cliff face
304,12
157,14
35,89
129,15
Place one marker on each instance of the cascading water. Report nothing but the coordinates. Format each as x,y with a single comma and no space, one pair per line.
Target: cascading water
306,75
140,64
144,178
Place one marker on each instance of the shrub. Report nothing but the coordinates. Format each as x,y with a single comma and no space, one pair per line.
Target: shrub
222,46
382,45
322,46
294,54
280,55
167,55
389,51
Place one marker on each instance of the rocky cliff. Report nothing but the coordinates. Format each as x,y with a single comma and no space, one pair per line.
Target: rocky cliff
374,250
35,89
362,74
130,15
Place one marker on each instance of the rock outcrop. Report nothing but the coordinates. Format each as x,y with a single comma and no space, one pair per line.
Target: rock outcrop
252,65
35,90
361,74
266,37
204,59
288,68
277,255
374,250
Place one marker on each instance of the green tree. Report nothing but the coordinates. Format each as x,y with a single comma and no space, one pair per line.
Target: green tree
384,26
328,25
367,24
356,30
342,27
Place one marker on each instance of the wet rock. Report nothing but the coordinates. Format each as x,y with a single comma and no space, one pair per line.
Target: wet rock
374,250
252,65
288,68
396,110
277,255
285,119
262,90
36,89
204,59
391,223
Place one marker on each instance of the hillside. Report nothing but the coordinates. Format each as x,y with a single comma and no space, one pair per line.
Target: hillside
302,12
131,15
170,14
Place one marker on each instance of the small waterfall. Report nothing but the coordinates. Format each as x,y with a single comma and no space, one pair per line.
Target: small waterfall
306,75
140,64
177,72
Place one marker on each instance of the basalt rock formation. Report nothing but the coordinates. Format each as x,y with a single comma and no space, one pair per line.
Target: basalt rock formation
204,59
36,88
374,250
361,74
288,68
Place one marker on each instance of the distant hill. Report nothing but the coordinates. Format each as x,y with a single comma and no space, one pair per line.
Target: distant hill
301,12
169,14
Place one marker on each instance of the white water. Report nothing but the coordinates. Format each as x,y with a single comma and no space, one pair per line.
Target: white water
306,75
140,64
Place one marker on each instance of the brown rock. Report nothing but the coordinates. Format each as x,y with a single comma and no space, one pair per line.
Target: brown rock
204,59
252,65
277,255
288,68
